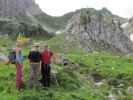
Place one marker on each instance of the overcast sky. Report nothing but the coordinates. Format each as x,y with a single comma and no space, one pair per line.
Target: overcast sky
123,8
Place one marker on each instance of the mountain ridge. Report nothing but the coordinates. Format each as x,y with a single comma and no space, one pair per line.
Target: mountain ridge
29,13
96,30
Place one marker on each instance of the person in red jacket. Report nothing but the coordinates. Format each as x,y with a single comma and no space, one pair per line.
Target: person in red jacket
46,56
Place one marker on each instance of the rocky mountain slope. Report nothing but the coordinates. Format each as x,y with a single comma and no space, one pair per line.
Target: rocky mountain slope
26,13
18,16
98,30
11,8
128,27
52,23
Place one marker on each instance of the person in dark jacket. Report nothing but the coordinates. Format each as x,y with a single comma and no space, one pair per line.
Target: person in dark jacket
34,59
46,56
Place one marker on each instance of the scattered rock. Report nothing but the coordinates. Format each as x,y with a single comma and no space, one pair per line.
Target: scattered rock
96,77
111,97
98,84
130,90
71,66
3,58
121,85
54,79
65,62
115,82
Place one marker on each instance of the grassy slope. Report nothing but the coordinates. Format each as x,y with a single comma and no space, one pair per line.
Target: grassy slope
59,45
53,24
72,87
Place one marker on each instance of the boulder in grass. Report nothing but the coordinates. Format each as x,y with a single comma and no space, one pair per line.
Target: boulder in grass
130,90
4,59
100,83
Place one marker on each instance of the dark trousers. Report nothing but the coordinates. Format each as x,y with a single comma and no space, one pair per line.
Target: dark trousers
45,71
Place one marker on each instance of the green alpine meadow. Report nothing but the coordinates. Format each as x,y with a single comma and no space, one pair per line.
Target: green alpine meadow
84,54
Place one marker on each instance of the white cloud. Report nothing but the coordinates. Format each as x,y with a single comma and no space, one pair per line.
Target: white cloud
122,8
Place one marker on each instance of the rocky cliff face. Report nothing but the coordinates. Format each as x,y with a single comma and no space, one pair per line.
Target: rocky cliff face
19,16
98,30
11,8
54,24
27,11
128,28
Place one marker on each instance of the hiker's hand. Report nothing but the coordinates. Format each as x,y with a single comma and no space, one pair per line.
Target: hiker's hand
39,68
27,61
53,59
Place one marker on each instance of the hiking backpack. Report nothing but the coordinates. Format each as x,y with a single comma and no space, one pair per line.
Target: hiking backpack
12,57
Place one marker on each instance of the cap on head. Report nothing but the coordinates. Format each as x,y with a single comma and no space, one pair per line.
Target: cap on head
35,45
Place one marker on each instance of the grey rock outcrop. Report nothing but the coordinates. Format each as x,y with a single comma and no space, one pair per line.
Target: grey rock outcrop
28,11
128,28
19,16
11,8
98,30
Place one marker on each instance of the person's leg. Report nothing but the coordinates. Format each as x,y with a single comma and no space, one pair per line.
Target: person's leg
30,76
35,75
21,74
49,75
43,74
18,76
46,74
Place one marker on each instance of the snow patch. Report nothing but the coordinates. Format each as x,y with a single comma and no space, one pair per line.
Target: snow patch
124,25
58,32
131,37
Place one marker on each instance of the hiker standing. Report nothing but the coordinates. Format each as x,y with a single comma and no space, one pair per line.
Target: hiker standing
19,59
46,56
34,58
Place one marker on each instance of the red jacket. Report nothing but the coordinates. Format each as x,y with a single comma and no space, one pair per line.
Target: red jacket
46,56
